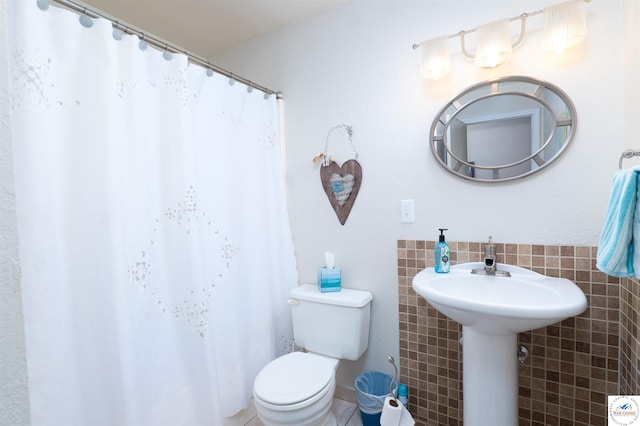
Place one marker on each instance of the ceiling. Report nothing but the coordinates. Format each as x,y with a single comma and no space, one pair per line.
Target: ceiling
207,27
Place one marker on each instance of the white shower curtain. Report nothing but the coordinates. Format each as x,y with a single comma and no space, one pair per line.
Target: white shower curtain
155,246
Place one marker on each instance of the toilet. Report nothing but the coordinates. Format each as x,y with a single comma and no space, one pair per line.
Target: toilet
297,388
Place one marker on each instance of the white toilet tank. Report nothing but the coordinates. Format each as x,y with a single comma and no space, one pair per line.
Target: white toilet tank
334,324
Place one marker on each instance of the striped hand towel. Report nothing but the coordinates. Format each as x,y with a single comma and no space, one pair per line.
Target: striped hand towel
617,254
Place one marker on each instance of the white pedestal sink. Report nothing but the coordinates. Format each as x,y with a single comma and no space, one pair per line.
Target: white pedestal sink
492,311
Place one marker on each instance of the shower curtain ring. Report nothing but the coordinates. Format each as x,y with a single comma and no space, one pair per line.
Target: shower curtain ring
117,32
85,20
166,54
142,44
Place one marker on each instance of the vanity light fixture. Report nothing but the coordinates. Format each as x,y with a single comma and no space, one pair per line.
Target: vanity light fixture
436,58
493,45
564,26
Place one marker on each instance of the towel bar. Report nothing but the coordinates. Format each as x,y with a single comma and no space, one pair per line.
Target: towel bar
628,154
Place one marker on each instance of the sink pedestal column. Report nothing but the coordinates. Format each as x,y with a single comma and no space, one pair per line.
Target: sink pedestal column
490,378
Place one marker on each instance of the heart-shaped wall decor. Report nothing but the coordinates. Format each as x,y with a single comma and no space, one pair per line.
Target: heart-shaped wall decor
341,185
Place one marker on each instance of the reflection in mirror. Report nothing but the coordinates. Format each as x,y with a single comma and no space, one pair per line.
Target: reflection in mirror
503,129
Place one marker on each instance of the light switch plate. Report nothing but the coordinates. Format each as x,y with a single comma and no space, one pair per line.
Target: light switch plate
407,212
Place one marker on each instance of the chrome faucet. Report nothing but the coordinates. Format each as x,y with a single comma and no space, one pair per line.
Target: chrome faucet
490,257
490,264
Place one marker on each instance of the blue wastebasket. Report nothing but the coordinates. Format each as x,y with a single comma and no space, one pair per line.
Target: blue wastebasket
372,388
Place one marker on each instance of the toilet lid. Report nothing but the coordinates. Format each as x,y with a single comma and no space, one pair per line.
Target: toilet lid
293,378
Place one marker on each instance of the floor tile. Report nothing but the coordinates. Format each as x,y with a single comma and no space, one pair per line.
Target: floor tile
343,410
344,407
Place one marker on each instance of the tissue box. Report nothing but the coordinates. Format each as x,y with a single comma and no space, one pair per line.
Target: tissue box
328,279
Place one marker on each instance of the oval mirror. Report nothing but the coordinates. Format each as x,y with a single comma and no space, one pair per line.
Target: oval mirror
503,129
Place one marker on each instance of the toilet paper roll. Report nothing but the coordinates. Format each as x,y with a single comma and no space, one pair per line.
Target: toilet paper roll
407,419
391,414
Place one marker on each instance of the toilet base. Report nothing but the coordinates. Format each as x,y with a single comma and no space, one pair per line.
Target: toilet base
331,420
314,412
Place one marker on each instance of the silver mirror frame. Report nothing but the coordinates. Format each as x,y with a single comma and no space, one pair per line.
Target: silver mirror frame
527,87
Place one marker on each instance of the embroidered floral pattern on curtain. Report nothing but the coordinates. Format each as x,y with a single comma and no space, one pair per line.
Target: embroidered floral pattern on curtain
154,238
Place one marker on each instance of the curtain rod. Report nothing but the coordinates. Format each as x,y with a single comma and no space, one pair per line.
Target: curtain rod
163,45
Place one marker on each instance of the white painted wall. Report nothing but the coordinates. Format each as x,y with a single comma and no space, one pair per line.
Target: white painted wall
14,398
631,31
354,64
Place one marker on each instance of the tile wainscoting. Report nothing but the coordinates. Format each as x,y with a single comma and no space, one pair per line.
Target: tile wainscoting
572,365
629,338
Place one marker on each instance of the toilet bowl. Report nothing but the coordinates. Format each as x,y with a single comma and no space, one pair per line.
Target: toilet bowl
296,389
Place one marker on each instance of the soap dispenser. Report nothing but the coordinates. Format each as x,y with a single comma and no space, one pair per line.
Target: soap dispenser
442,254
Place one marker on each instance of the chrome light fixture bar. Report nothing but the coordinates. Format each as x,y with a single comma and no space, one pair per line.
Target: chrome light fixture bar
565,26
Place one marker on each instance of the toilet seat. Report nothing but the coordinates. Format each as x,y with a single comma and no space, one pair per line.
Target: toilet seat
294,378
